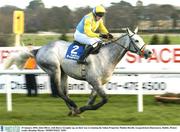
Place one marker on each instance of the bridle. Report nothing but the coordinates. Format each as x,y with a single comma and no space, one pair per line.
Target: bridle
131,44
137,49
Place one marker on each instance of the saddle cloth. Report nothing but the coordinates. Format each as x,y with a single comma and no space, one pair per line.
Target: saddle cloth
75,50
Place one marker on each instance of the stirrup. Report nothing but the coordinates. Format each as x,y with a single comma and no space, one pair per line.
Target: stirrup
81,61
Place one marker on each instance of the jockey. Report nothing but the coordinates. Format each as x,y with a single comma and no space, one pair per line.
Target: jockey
86,31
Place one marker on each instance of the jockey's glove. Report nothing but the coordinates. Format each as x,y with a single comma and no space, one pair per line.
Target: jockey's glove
105,36
110,36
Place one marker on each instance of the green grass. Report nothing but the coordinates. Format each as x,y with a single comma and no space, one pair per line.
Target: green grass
120,110
39,40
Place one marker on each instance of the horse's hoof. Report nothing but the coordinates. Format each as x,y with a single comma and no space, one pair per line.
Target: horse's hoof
77,111
73,113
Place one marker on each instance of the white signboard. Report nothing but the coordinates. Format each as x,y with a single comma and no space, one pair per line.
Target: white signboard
165,57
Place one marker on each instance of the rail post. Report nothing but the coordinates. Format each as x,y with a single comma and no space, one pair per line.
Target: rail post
8,93
140,94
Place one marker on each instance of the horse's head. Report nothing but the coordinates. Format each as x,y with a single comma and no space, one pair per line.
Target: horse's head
137,45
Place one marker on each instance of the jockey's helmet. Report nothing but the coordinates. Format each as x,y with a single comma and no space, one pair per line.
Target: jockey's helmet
99,11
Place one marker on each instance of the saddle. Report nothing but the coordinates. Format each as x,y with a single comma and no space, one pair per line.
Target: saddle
94,51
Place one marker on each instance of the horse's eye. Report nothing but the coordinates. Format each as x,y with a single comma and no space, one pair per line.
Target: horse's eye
136,41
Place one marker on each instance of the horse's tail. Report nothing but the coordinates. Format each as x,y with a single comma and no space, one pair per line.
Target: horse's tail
8,62
18,59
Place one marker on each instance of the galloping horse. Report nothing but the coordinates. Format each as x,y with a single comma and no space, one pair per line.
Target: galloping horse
97,72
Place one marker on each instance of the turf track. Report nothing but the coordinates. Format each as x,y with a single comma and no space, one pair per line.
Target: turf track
120,110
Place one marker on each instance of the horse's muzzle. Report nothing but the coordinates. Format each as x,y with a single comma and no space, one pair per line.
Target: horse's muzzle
147,53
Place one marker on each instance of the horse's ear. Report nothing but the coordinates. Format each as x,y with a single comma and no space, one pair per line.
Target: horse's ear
129,32
136,30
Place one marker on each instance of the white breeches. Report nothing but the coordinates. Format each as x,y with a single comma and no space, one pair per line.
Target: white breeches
83,38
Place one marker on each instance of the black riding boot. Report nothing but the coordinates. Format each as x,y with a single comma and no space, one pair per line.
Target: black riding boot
98,47
85,54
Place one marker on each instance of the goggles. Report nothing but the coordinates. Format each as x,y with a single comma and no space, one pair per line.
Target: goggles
100,14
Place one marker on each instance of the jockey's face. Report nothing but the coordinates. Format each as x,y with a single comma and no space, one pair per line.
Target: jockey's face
99,15
98,18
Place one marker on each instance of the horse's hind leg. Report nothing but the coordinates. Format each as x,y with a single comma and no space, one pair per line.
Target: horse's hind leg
64,86
64,83
60,79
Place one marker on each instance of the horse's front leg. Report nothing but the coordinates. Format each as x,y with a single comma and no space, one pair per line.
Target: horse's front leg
99,90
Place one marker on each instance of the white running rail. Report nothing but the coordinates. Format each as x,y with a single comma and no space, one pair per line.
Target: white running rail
8,74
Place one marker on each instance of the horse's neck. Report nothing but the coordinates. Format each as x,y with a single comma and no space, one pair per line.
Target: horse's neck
115,52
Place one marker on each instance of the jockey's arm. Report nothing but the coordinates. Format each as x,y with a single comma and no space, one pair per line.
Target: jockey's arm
102,28
87,29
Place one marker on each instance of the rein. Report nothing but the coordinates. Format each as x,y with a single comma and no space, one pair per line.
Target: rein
115,41
137,50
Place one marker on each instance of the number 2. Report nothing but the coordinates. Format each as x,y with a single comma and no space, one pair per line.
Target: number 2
74,50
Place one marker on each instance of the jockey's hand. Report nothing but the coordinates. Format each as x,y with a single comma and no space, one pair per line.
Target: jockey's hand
105,36
110,36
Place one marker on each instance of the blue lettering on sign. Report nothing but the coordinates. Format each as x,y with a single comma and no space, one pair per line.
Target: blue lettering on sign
74,52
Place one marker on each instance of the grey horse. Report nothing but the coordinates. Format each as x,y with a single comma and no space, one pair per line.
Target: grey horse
98,71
